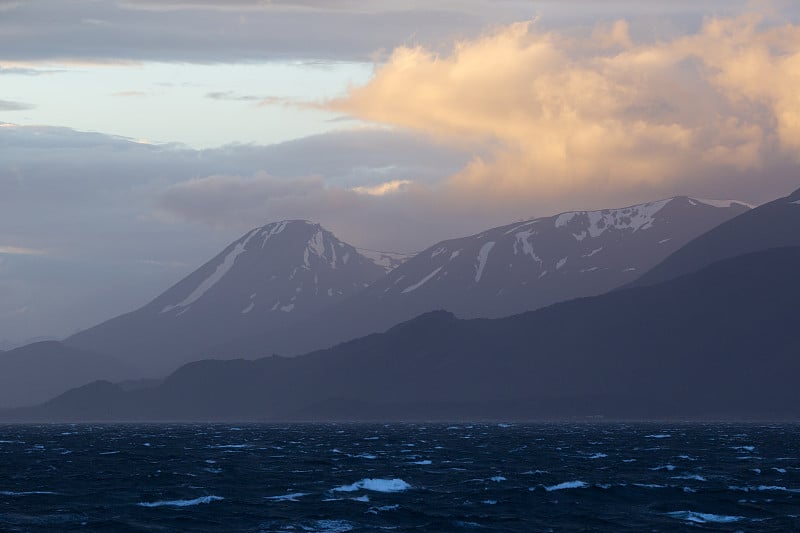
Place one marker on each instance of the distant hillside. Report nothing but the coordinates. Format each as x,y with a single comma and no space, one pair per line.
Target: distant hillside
36,372
772,225
718,343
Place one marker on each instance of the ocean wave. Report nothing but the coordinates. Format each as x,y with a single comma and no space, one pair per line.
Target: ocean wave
328,526
293,497
764,488
376,485
695,477
577,484
704,518
182,503
26,493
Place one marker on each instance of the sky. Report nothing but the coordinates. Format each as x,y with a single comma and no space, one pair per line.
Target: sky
139,137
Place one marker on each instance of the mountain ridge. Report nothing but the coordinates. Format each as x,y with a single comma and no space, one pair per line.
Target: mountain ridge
682,349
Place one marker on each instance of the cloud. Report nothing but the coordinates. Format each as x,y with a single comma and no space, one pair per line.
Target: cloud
121,221
388,187
574,116
18,250
92,32
7,105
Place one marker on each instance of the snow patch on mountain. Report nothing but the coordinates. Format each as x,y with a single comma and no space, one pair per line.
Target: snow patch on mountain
720,203
422,282
386,260
522,242
272,229
637,217
483,256
217,275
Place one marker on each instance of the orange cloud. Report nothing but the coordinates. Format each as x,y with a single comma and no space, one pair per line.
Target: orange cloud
559,114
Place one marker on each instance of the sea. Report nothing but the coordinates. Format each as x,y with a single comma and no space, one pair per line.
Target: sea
400,477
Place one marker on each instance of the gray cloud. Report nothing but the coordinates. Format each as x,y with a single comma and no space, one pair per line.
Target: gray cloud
212,32
7,105
203,31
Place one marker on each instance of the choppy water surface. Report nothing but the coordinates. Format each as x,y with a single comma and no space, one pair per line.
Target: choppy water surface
337,478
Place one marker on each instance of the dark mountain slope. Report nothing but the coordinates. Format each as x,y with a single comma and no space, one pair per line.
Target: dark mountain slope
772,225
718,343
36,372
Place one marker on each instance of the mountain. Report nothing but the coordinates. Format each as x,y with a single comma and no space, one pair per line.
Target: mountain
772,225
718,343
388,260
269,279
509,269
38,371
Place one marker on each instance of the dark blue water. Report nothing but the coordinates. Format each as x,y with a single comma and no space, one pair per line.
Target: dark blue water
337,478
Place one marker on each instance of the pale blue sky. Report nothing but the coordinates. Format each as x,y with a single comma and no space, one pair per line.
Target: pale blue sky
202,106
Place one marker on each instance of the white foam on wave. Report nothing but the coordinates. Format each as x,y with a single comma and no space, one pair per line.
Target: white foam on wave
567,485
497,479
598,455
293,497
376,510
423,462
376,485
182,503
704,518
695,477
365,456
664,467
658,436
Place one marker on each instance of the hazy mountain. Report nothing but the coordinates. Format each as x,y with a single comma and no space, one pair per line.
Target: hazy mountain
771,225
510,269
272,277
388,260
720,342
36,372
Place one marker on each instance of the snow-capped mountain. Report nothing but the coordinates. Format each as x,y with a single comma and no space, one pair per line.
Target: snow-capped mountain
270,278
518,267
530,264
